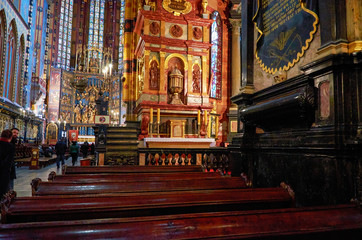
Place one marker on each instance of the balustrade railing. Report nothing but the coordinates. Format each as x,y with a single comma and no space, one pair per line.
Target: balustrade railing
211,159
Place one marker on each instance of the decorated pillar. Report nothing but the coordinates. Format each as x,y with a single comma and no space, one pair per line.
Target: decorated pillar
189,85
163,80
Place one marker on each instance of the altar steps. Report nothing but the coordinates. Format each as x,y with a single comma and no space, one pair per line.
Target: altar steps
122,145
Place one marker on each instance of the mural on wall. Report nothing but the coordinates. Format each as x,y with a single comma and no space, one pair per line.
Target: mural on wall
66,98
52,134
54,95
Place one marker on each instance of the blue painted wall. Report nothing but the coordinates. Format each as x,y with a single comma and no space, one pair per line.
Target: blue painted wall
43,39
31,20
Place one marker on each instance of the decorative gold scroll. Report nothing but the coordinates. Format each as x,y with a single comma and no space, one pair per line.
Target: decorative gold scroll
177,6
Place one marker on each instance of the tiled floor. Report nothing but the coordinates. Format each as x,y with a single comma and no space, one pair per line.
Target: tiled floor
24,176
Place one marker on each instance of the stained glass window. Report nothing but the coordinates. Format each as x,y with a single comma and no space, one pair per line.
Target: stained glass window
215,55
121,36
96,25
65,34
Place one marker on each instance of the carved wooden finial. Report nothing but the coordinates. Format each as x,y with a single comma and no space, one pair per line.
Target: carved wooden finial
248,182
34,185
51,176
64,168
288,188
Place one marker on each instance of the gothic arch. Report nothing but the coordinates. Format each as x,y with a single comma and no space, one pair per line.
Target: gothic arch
20,75
3,31
10,63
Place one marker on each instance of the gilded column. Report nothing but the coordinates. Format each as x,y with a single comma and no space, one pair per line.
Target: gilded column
235,55
163,83
189,75
146,82
205,80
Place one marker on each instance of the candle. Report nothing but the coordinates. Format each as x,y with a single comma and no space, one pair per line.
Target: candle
198,117
158,115
217,127
151,115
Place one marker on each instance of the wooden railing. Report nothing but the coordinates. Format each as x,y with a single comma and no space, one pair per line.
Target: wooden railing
211,159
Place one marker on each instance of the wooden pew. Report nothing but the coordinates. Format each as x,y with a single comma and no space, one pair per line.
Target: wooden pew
129,169
55,208
125,177
40,188
332,223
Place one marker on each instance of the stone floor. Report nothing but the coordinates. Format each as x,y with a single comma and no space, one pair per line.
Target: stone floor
25,175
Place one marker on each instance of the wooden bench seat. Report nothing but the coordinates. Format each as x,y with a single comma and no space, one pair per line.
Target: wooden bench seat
332,223
129,169
125,177
52,208
40,188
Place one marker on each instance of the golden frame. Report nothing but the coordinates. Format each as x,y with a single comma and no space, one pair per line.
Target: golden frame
176,12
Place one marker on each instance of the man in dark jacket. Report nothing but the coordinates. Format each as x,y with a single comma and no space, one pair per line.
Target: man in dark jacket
14,142
60,149
6,158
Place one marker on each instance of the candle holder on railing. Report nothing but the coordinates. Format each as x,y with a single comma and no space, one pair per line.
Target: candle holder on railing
158,129
151,129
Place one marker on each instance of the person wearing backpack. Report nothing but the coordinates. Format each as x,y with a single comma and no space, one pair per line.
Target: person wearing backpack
74,152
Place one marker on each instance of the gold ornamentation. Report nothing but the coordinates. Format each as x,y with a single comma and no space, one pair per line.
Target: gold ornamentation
204,4
177,6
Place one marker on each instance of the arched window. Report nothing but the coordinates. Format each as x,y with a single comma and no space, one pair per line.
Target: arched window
121,36
10,62
2,43
65,34
215,56
96,26
19,81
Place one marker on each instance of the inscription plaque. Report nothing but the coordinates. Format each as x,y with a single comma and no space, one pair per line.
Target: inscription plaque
286,28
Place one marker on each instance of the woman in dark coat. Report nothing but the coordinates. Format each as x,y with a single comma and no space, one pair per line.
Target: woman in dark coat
7,152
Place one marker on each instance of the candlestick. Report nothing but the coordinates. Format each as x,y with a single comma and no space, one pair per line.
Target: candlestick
198,117
158,115
217,128
209,127
151,115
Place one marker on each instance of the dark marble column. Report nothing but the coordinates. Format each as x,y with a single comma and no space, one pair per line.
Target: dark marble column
332,17
247,46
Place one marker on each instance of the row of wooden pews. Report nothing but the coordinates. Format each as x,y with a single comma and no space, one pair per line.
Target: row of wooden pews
166,202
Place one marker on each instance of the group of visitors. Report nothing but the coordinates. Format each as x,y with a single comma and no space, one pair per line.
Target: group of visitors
8,140
74,149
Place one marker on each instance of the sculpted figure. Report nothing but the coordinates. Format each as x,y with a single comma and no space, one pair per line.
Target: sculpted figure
196,77
154,75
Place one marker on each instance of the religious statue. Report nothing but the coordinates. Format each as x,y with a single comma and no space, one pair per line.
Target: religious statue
154,75
85,115
77,114
196,77
204,4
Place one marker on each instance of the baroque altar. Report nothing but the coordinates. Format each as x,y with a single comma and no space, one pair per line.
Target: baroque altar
173,73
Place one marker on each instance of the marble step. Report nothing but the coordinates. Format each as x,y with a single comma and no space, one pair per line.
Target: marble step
122,141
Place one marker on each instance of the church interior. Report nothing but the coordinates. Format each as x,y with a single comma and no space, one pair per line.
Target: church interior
222,119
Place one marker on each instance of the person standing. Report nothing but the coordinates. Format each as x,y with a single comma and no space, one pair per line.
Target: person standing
84,149
60,149
7,152
14,142
74,152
